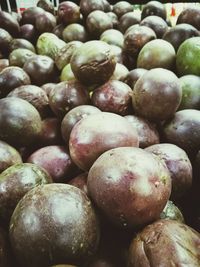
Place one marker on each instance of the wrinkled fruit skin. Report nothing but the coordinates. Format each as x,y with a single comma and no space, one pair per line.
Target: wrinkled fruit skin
180,246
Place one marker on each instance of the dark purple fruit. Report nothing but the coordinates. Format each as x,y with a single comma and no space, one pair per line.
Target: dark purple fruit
157,53
46,5
41,69
80,182
183,130
9,23
122,7
157,24
178,241
63,223
127,20
157,94
56,161
45,22
179,33
97,22
29,16
87,6
136,38
8,156
20,122
75,32
97,133
28,32
178,164
129,192
58,30
11,78
5,42
5,252
73,116
15,182
50,133
147,132
67,95
154,8
68,12
114,96
133,76
190,15
47,87
93,63
35,96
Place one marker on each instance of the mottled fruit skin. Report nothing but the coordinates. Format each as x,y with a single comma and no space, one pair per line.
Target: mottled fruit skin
29,16
127,20
22,43
28,32
154,8
122,7
133,76
68,12
114,96
129,192
20,122
45,22
190,15
56,161
80,181
8,156
15,182
75,32
58,223
19,56
178,164
180,246
113,37
183,130
93,63
9,23
157,24
147,131
12,77
5,42
66,96
87,6
4,63
97,133
157,94
73,116
172,212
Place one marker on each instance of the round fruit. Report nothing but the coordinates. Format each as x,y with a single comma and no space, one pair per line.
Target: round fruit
93,63
20,122
22,43
57,223
97,22
5,249
19,56
80,181
122,7
9,23
133,76
154,8
157,94
157,54
5,42
187,57
68,12
179,33
157,24
113,37
190,85
67,95
147,132
29,16
15,182
120,73
4,63
67,74
75,32
73,116
114,96
129,192
45,22
46,5
190,15
97,133
8,156
178,164
28,32
87,6
183,130
127,20
178,241
56,161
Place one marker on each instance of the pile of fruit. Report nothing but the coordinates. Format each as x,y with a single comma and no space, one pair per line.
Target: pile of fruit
99,136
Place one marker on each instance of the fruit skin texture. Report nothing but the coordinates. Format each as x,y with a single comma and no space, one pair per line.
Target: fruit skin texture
165,243
187,58
178,164
93,63
20,122
97,133
183,130
5,249
57,223
15,182
157,94
130,186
